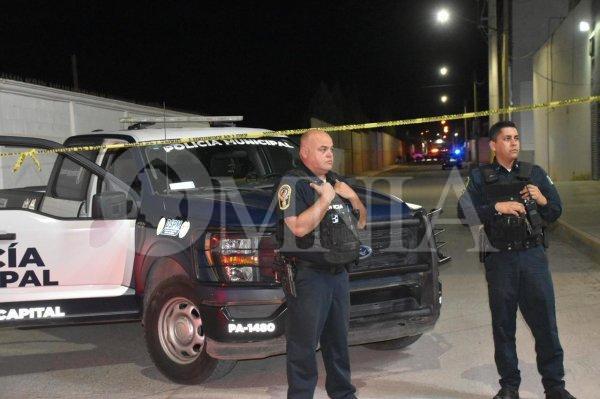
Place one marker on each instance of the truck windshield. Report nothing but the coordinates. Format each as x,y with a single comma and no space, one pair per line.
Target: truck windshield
210,164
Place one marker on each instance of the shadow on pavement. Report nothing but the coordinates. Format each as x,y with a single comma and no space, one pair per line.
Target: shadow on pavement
112,344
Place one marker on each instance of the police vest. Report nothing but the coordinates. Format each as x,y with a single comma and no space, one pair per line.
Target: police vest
334,242
508,232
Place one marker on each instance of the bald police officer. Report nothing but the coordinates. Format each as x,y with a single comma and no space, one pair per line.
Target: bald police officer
319,215
514,200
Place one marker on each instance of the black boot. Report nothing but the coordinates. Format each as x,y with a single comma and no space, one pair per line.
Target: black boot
559,393
507,393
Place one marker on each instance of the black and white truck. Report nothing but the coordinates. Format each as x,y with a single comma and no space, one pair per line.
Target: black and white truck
181,237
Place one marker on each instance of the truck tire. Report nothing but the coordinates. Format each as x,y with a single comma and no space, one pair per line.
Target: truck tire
394,344
175,337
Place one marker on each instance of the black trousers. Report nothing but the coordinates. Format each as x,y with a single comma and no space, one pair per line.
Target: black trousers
522,279
319,313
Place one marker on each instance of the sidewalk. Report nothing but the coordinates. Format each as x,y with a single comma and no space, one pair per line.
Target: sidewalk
580,220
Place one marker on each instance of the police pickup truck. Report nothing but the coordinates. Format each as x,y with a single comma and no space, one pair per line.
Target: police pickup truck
181,237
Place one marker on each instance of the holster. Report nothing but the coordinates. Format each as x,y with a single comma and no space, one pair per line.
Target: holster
484,244
286,270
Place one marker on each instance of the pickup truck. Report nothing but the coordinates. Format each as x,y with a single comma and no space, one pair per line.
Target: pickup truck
180,236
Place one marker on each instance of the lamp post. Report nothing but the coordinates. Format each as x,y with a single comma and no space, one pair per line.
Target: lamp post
443,16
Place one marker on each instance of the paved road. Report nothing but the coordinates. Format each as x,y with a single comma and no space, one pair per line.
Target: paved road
453,361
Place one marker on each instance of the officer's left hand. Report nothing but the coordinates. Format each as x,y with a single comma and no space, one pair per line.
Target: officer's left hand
533,192
344,190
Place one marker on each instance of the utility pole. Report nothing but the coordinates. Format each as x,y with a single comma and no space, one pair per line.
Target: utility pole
475,120
505,56
74,70
465,125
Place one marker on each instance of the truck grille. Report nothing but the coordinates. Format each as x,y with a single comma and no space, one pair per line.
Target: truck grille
392,248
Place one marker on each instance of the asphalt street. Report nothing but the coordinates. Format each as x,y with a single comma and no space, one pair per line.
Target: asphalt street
455,360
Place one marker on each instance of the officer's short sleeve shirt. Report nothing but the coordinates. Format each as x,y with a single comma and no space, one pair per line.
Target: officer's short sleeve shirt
294,195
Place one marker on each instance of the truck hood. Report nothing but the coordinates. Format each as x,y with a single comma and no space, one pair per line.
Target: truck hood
234,208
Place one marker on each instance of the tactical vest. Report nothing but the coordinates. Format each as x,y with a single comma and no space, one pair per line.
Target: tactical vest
334,242
509,232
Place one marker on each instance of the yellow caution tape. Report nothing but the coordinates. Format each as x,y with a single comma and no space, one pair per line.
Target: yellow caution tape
22,156
359,126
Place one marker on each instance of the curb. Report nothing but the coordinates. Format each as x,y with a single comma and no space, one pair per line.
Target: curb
589,244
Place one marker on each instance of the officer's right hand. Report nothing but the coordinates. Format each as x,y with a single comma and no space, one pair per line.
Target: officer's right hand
324,190
510,208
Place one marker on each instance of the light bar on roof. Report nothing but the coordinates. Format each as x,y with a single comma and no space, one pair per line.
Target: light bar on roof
182,119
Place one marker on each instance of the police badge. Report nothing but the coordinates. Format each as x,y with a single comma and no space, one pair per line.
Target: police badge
284,195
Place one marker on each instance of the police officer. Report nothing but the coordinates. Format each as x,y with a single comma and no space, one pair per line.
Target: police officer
319,236
516,264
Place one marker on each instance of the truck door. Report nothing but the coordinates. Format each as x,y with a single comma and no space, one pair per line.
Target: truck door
56,260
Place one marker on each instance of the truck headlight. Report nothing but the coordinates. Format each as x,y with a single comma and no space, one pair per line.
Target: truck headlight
239,258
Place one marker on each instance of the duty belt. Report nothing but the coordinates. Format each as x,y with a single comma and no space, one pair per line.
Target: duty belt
521,245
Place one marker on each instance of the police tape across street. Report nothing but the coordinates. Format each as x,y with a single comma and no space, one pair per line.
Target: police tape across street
340,128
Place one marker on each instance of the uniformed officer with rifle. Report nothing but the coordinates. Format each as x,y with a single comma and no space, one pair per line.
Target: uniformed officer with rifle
515,200
319,215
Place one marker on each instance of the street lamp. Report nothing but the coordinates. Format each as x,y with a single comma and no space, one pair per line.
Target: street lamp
584,26
444,98
443,16
443,71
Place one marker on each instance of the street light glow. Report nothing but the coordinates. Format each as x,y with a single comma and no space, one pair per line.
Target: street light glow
443,16
455,134
443,71
584,26
444,98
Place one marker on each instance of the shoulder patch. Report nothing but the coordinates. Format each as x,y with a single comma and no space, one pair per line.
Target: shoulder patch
284,194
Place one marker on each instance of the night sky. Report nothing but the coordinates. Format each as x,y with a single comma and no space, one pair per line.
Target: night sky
264,60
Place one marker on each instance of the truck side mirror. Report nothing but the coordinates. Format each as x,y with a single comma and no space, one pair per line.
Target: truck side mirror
109,205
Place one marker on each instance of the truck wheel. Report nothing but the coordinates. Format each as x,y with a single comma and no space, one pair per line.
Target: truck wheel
175,336
394,344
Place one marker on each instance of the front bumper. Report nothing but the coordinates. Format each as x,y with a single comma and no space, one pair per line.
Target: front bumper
366,330
232,335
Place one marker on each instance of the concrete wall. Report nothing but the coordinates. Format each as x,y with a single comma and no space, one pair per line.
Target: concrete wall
595,111
532,23
493,75
44,112
562,70
358,152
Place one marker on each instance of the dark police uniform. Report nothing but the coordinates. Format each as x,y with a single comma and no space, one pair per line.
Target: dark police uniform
518,276
319,313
